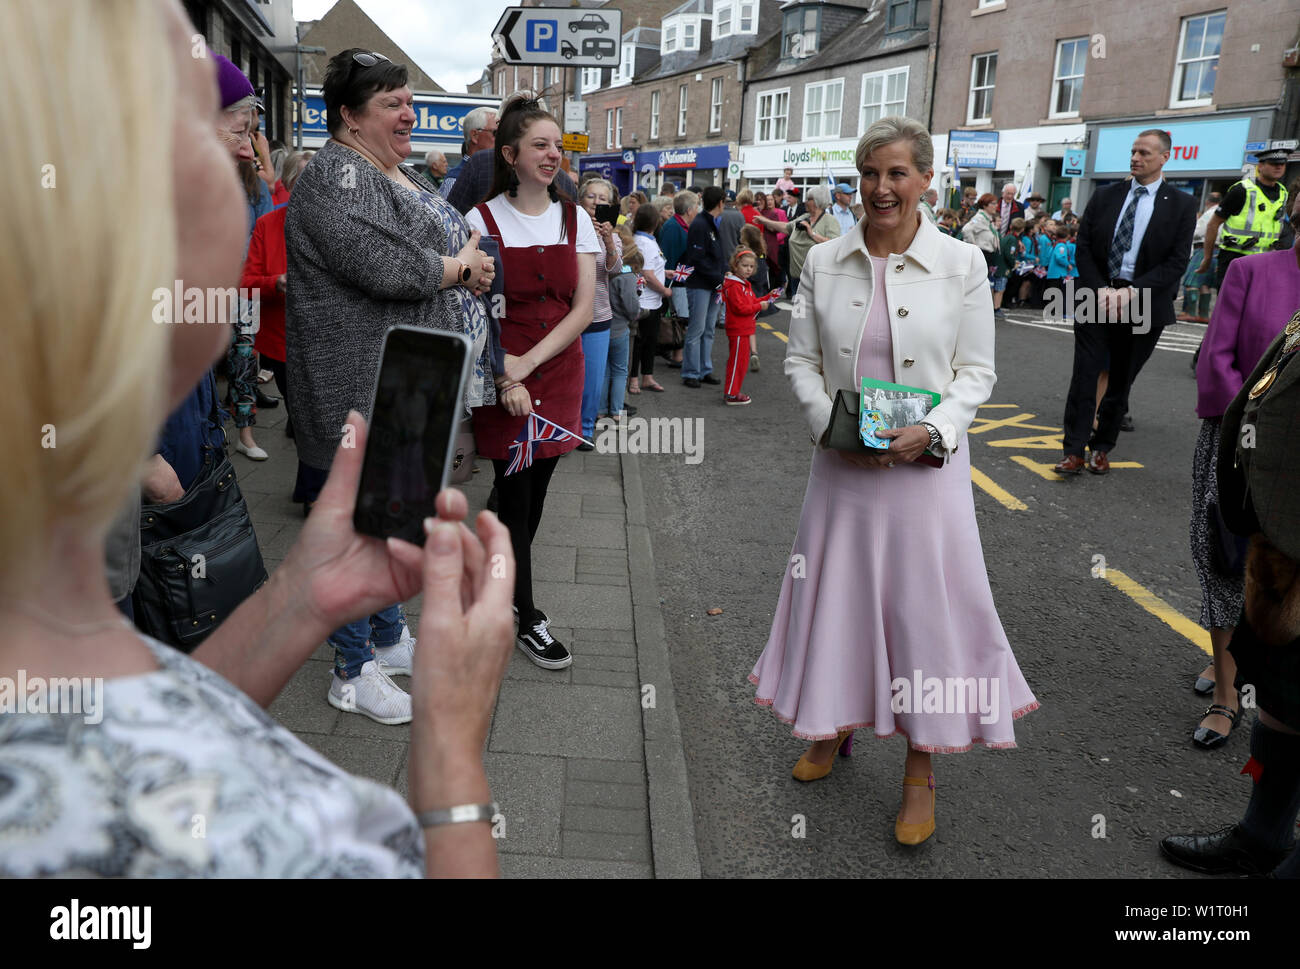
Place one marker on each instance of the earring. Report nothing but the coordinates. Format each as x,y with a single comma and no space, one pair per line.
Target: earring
512,183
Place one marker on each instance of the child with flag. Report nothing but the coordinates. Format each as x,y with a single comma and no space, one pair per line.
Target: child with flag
742,309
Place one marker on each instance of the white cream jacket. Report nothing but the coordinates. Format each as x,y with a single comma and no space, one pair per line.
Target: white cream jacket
940,317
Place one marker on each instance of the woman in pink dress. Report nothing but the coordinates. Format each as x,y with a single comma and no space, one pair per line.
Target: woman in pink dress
885,618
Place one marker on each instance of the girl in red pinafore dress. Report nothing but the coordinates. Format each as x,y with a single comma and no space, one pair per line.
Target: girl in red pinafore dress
743,308
548,248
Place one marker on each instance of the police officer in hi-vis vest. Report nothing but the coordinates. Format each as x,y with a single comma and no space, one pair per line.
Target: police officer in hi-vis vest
1250,214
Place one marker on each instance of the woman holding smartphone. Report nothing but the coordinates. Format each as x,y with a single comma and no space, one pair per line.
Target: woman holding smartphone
548,253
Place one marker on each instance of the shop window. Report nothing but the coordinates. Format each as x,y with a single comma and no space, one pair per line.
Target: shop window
1199,42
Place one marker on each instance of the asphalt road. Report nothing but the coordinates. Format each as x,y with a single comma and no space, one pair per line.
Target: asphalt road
1111,741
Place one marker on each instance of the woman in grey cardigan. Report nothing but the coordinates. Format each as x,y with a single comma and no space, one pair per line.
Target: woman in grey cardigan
370,245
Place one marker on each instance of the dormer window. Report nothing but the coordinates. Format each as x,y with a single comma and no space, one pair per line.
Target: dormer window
799,37
908,15
680,33
669,43
734,17
626,66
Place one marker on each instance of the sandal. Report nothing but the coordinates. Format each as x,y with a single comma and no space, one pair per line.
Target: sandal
634,388
654,388
1208,739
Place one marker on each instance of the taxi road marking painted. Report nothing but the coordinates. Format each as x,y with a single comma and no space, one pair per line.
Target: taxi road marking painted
986,483
1160,609
1044,468
776,333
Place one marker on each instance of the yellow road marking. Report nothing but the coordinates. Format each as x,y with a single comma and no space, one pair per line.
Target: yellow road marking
982,424
1044,469
1006,499
1160,609
776,333
982,406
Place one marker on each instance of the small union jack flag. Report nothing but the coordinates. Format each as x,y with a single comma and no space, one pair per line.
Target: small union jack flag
681,273
537,429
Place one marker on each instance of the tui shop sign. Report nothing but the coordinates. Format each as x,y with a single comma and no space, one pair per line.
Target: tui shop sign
1217,145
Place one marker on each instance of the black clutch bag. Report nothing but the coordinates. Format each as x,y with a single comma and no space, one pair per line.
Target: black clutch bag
843,433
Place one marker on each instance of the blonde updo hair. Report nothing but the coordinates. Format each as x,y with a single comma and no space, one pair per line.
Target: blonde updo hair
84,367
894,128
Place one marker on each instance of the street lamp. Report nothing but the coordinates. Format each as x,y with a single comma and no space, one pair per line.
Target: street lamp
298,51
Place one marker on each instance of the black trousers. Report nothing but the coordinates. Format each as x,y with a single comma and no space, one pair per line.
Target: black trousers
1098,347
1224,260
278,370
645,344
520,499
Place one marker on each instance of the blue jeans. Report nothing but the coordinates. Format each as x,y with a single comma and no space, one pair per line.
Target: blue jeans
612,394
697,354
595,351
354,644
681,307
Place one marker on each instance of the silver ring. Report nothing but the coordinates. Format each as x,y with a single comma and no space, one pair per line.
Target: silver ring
891,464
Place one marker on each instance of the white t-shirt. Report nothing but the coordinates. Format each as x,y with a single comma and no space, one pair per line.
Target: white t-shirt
519,230
654,265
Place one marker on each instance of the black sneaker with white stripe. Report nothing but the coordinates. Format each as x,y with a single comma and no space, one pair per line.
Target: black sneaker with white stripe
541,647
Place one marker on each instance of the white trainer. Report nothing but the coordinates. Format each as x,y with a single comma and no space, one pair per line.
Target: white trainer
373,694
398,659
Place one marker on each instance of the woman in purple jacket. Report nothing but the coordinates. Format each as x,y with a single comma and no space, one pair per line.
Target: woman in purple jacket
1259,295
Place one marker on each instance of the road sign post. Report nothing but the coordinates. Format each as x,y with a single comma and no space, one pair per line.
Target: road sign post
559,37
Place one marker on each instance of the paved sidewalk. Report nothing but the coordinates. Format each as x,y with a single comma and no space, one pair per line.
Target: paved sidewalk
587,762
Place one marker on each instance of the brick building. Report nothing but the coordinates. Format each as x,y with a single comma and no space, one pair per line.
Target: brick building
1075,82
258,38
831,69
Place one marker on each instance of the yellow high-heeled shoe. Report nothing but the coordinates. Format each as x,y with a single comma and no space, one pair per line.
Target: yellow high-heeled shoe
914,833
806,770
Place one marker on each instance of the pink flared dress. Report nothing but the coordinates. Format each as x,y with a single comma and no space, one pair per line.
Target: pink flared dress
886,619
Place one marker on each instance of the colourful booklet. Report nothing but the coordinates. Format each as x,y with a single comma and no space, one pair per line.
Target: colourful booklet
886,406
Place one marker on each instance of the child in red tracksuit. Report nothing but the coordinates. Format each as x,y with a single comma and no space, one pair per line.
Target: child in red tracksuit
742,307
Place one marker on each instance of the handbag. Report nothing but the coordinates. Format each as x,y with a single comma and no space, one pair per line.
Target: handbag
672,335
463,453
199,559
1227,550
843,434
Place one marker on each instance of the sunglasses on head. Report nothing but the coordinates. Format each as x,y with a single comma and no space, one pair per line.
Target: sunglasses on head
368,60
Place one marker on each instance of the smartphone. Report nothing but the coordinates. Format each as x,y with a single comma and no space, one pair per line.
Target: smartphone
606,213
414,413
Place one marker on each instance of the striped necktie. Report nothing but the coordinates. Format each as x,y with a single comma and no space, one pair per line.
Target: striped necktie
1124,234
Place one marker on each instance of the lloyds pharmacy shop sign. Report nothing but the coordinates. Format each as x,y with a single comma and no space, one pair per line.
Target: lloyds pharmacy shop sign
438,119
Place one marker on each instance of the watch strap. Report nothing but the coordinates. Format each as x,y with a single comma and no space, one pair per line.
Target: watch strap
459,814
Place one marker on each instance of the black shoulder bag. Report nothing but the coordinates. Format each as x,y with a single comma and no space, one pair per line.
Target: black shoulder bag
199,558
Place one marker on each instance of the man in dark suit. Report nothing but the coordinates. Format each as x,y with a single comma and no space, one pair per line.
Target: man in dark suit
1008,208
1133,247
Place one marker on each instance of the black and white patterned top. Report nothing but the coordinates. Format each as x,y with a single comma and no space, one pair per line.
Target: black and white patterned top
186,776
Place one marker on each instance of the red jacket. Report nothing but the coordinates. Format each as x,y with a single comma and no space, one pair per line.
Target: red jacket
742,305
279,194
265,262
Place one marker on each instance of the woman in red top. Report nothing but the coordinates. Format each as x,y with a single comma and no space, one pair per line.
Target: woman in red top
742,308
747,208
548,248
772,239
264,271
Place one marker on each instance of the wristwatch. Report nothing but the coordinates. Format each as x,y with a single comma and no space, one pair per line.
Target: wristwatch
936,439
465,272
